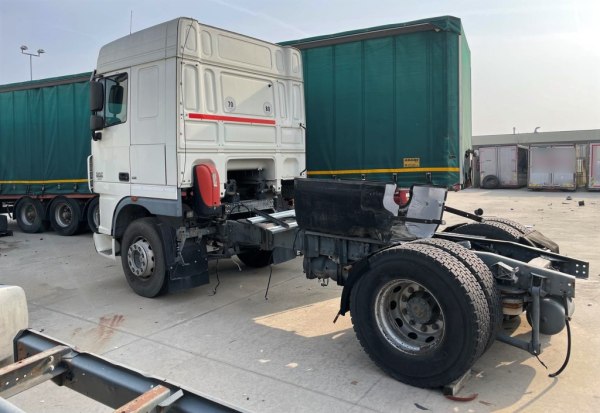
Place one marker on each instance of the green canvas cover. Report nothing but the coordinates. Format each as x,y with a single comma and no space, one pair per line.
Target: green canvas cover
389,102
45,136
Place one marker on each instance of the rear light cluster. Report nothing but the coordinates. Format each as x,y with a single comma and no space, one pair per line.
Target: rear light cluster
402,196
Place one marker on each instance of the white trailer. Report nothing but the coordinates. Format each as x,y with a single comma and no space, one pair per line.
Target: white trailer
552,167
503,166
594,167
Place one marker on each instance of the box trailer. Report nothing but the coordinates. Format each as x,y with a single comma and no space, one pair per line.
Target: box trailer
44,144
389,103
594,167
552,167
503,166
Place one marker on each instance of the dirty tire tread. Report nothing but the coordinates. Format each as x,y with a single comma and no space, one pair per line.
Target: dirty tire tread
484,277
494,230
519,227
461,279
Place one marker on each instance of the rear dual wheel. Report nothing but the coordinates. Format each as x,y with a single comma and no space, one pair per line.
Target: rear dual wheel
420,314
30,215
65,215
484,278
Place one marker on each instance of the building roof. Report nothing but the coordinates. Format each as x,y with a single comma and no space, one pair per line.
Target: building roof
592,135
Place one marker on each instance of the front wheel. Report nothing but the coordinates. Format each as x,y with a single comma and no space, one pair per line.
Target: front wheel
420,315
143,258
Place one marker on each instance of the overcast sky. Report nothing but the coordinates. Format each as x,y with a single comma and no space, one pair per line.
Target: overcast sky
534,63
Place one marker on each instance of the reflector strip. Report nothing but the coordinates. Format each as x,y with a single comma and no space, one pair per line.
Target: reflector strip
203,116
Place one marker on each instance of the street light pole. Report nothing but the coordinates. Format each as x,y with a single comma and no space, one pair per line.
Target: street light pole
39,52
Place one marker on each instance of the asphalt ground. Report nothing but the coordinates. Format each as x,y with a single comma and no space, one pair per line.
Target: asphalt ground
284,354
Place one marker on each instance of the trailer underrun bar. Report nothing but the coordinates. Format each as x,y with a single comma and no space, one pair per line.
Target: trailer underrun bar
40,358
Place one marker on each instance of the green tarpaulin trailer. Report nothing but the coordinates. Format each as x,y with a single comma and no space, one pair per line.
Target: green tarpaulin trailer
44,144
389,102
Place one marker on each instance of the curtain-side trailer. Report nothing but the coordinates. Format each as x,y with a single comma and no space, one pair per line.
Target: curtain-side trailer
44,145
389,103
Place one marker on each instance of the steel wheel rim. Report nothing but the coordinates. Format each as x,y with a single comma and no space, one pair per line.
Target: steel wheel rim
409,317
29,214
140,258
63,215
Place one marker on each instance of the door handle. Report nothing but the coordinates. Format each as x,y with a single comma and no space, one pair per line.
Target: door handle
124,176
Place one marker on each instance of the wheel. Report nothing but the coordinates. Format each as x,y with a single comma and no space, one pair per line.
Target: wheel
143,258
93,214
30,215
65,215
420,315
482,274
519,227
493,230
256,258
490,182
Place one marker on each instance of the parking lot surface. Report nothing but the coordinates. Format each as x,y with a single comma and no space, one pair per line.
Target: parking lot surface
284,354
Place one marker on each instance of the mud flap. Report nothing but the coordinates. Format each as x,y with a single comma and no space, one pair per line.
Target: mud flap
191,270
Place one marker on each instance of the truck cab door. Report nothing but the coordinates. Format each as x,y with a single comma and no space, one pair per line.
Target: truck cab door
111,161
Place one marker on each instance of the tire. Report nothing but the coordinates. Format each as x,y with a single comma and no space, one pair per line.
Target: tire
65,215
519,227
93,215
404,343
143,258
482,274
493,230
256,258
30,214
490,182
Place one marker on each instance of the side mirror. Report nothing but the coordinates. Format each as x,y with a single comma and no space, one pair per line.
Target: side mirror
96,122
96,96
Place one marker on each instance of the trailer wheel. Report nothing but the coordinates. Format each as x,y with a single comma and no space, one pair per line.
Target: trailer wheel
143,258
65,215
256,258
30,215
493,230
93,215
482,274
420,315
490,182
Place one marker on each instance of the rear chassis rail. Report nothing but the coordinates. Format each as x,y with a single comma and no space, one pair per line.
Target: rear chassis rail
39,358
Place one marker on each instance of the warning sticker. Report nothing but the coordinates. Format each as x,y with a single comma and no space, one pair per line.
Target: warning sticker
412,162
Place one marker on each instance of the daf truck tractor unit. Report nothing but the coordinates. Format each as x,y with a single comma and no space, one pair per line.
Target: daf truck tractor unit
194,128
198,145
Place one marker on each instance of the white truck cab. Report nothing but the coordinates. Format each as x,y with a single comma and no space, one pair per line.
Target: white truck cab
191,122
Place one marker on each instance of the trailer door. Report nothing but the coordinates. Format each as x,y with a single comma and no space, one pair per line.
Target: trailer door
594,181
507,165
540,167
564,166
488,164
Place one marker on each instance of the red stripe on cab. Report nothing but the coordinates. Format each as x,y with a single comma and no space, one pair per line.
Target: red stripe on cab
204,116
